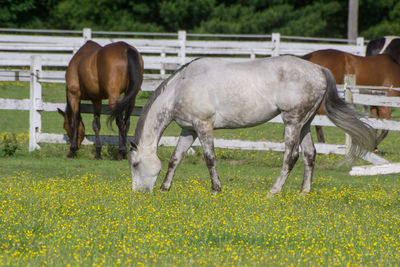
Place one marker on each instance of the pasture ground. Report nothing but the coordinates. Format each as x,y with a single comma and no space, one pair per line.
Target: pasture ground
59,211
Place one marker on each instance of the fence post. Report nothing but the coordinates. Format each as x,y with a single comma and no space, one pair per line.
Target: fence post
182,43
87,34
36,103
252,54
360,46
276,39
349,82
162,70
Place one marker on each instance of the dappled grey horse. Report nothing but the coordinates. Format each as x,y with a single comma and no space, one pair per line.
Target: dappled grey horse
208,94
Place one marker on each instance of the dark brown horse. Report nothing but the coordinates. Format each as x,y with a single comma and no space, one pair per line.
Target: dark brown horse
95,73
378,70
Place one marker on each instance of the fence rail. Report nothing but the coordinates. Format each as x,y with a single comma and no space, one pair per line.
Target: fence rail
162,51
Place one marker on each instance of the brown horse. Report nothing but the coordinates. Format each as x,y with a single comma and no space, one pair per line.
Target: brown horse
377,70
95,73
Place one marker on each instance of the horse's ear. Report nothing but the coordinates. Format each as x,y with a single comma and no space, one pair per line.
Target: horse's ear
61,112
133,146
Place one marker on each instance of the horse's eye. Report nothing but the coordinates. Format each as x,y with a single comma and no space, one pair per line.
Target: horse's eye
135,164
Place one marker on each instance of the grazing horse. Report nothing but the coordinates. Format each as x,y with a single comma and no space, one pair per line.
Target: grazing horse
389,45
211,93
378,70
95,73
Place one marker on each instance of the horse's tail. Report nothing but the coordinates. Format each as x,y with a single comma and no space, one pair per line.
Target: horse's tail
135,80
343,115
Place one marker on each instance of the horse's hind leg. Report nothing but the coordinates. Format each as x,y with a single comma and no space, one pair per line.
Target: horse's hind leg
320,134
204,130
185,140
122,144
125,128
291,155
309,153
112,100
380,138
382,113
96,127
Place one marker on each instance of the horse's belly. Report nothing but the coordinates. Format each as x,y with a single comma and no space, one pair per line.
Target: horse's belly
241,118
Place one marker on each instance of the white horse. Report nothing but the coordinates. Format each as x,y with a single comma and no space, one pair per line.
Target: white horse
209,94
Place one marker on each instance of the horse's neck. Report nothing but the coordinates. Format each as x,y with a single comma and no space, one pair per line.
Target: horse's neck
158,118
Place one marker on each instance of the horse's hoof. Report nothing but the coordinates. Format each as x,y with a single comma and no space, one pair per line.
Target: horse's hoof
164,188
271,195
376,151
216,187
304,193
215,193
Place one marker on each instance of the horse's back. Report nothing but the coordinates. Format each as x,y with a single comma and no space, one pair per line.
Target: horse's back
86,50
112,66
331,59
376,70
97,72
256,73
250,92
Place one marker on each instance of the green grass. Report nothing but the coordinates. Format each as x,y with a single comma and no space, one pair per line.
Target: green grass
59,211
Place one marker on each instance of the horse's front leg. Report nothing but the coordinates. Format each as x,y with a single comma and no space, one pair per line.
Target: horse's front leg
291,155
74,140
185,140
74,123
96,127
204,130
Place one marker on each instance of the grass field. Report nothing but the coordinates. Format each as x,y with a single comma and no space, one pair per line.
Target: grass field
59,211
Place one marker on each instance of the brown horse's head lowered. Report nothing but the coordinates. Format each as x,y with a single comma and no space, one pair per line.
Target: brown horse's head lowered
68,128
95,73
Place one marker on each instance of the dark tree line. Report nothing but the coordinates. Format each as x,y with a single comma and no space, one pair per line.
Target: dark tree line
323,18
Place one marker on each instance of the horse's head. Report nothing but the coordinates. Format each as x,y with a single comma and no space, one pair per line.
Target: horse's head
67,127
145,167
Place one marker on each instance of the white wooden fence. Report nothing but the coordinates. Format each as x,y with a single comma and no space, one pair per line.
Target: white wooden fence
180,51
162,51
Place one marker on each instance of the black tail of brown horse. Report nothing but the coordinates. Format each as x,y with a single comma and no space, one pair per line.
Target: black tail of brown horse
135,80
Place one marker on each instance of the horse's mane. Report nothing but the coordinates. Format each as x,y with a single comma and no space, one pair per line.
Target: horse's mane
153,97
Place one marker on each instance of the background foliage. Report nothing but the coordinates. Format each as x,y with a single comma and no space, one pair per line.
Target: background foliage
325,18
